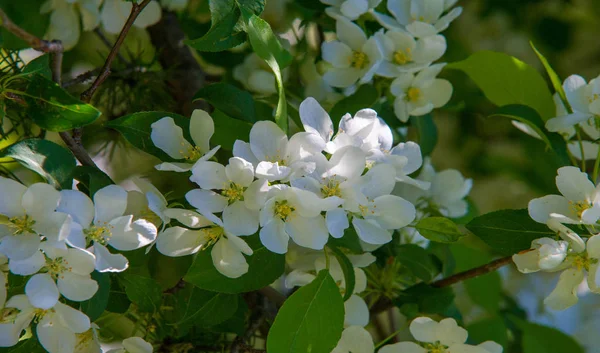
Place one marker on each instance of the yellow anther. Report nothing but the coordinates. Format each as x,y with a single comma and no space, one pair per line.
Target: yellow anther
233,192
436,347
21,225
8,315
579,207
193,153
332,188
360,60
414,94
38,314
98,234
213,234
582,262
283,210
402,57
57,267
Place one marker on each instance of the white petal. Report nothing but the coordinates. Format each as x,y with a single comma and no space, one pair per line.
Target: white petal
356,339
565,293
527,262
274,237
424,329
342,77
130,235
81,261
114,15
421,29
256,194
541,208
336,53
337,222
73,319
350,34
174,167
78,205
353,9
76,287
137,345
168,136
449,333
378,181
228,259
110,202
54,337
239,220
240,171
107,262
439,92
40,199
357,312
19,247
202,128
149,15
209,175
242,149
402,347
29,266
272,171
315,119
412,152
394,212
178,241
188,218
348,162
574,184
308,232
298,278
206,200
370,232
12,194
574,87
267,141
491,347
41,291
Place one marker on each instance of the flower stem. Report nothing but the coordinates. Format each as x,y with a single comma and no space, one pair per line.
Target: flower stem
596,165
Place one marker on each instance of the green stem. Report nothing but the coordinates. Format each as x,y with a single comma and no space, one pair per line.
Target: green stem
385,340
579,139
596,166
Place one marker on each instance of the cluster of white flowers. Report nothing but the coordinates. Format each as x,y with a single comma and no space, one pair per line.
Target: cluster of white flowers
57,239
578,205
68,18
431,336
304,188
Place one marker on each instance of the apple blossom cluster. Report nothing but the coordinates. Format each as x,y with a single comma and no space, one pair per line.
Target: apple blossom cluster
68,18
431,336
572,253
56,239
305,189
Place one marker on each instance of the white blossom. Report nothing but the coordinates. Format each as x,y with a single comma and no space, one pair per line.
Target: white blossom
104,222
418,94
421,18
114,14
255,75
168,136
355,339
25,214
353,56
66,16
350,9
403,53
133,345
56,326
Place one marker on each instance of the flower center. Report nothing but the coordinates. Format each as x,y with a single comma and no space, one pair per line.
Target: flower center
193,153
368,209
402,57
57,267
583,262
359,60
21,225
332,188
283,210
38,314
149,215
436,347
98,234
212,234
593,97
233,193
8,315
414,94
579,207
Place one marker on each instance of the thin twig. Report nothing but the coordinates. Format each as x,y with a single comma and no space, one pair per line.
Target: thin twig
472,273
33,41
88,75
136,9
107,43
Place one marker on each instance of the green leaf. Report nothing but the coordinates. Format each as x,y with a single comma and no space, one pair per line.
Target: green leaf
426,130
507,80
418,261
264,268
542,339
30,345
349,241
53,162
347,269
25,14
222,34
311,320
230,100
52,108
439,229
227,130
268,48
167,270
136,128
430,300
118,301
529,116
236,323
205,308
93,179
39,65
556,82
489,329
142,291
364,97
508,231
94,307
485,290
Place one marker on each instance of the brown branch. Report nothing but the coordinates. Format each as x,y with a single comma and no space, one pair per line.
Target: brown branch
136,9
384,303
35,42
107,43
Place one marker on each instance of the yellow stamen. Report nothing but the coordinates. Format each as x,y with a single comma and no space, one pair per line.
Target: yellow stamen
21,225
98,234
283,210
402,57
57,267
332,188
414,94
579,207
233,193
360,60
213,234
436,347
